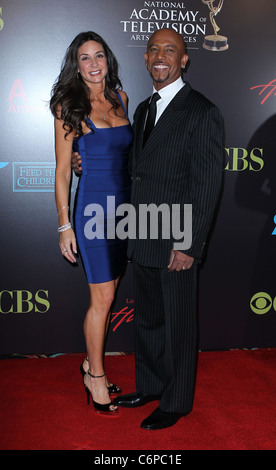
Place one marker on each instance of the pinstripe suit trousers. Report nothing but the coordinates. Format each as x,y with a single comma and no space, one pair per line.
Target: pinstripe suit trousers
166,335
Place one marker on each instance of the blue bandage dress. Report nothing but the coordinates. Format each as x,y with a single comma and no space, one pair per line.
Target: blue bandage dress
104,187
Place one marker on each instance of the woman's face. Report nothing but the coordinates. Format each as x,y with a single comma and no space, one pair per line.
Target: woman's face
92,63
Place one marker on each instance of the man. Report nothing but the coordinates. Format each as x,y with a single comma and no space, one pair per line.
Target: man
180,163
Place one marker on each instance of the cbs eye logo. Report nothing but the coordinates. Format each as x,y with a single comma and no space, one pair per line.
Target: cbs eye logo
261,303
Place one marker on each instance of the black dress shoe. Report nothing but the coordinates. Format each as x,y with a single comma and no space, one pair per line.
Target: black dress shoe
133,400
160,419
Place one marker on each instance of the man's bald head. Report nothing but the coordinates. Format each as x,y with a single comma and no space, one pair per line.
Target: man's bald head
165,57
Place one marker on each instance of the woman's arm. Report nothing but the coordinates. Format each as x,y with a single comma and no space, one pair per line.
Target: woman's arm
63,149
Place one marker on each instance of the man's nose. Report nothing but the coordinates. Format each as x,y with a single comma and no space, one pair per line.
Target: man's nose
160,54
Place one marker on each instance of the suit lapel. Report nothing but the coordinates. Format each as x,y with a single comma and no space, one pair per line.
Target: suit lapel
174,112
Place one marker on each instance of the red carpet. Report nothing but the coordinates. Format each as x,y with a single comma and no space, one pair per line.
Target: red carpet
43,406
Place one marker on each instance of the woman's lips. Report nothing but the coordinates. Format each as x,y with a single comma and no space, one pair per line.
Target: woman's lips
94,73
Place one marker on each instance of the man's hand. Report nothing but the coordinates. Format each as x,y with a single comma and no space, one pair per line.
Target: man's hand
179,261
76,163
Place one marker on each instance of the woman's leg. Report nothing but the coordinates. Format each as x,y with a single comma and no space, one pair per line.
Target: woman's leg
95,327
86,362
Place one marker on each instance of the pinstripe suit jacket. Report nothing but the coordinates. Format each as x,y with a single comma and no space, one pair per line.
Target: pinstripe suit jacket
181,163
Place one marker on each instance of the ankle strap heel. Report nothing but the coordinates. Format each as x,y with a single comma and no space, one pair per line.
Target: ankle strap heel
95,376
112,388
99,408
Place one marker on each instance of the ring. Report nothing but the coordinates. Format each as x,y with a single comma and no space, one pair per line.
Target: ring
64,251
183,267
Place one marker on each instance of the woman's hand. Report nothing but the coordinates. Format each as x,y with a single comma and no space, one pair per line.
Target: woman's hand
68,245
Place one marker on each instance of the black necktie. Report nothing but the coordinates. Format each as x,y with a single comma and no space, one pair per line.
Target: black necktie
151,116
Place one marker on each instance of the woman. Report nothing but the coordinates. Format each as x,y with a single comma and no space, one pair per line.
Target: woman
90,114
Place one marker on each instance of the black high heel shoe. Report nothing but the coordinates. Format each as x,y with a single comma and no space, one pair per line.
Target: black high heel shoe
99,408
112,389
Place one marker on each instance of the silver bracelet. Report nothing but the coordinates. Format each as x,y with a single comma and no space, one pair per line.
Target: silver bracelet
64,227
64,207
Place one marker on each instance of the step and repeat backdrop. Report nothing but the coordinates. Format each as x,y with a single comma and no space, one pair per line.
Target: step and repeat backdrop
43,299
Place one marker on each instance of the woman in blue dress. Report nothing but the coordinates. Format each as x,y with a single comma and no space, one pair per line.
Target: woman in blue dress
90,111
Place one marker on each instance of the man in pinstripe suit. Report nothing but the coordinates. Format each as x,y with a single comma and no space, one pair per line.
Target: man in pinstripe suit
180,163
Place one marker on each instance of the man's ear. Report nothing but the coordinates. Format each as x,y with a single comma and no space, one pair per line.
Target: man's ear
146,57
184,60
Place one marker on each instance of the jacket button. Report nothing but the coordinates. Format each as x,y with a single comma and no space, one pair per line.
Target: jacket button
138,178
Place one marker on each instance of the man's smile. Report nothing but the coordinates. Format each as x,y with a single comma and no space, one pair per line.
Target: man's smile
160,66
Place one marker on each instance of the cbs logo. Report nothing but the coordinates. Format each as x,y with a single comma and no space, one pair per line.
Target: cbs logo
1,21
24,301
262,303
